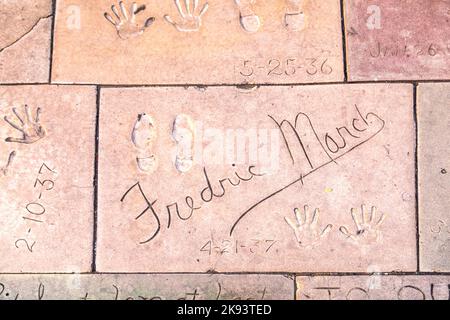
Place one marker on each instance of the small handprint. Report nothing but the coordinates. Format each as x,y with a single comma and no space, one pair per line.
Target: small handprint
125,21
307,231
367,226
4,170
191,18
31,129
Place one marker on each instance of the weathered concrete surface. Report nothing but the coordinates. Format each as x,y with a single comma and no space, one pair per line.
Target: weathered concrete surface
398,40
146,287
216,48
374,287
358,149
46,174
433,112
25,41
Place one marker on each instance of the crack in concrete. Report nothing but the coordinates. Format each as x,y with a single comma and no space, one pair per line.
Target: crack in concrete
26,33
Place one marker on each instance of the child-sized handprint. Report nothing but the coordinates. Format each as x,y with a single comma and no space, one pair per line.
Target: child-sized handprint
4,170
367,226
125,21
30,127
191,17
306,229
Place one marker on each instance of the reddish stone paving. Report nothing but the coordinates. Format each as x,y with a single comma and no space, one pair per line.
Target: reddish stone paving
71,146
198,220
46,206
374,287
397,40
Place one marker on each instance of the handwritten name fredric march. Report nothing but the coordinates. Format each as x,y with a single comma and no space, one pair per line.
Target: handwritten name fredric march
308,149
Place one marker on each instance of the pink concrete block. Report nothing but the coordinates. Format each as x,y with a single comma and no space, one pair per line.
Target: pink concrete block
374,287
46,174
146,287
433,112
397,40
201,179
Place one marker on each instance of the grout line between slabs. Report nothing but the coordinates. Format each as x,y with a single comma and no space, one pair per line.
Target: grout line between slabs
285,274
95,182
344,41
252,85
52,39
416,172
295,287
238,85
